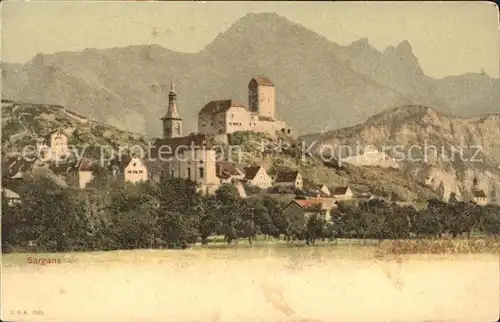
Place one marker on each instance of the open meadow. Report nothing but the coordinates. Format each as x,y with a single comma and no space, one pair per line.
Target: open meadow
264,282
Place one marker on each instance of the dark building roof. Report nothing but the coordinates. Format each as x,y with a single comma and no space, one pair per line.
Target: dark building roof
169,146
288,176
265,118
153,166
251,172
479,194
88,165
214,107
119,162
13,165
63,167
339,191
226,169
261,80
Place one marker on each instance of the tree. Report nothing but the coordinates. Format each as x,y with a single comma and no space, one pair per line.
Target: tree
315,224
453,198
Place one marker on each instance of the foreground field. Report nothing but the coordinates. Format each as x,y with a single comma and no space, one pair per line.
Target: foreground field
267,283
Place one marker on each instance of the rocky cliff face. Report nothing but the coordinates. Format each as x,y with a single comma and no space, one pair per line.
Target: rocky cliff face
441,151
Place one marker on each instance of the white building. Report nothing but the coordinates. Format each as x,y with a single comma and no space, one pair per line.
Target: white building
342,193
289,179
479,197
229,116
257,176
135,171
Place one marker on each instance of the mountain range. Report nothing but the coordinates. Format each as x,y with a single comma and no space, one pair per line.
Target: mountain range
320,85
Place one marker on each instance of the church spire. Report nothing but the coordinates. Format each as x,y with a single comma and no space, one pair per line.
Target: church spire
172,122
172,104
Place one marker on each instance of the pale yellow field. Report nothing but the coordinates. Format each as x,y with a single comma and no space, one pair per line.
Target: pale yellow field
251,284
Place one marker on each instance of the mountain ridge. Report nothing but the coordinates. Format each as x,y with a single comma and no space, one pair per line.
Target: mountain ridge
420,129
314,77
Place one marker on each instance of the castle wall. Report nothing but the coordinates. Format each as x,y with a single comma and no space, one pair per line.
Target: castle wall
237,119
269,127
211,124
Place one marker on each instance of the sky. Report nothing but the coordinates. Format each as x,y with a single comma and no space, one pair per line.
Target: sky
448,38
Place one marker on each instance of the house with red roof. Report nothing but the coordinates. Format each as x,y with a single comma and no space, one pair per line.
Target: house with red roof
306,207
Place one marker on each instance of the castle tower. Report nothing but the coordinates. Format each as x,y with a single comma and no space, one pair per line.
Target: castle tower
172,122
261,97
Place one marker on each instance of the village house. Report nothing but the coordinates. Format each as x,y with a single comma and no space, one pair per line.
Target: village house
228,172
12,197
306,207
318,190
479,197
58,143
288,179
342,193
87,171
136,171
229,116
257,176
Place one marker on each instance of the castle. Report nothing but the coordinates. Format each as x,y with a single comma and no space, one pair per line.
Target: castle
214,119
229,116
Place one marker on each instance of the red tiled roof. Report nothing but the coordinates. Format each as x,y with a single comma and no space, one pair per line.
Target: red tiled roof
262,80
308,202
287,176
214,107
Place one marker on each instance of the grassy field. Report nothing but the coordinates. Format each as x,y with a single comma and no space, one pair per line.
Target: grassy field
264,282
263,248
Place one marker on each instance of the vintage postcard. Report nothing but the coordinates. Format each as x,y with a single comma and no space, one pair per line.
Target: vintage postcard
250,161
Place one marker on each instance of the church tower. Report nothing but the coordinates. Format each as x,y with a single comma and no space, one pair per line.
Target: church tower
172,122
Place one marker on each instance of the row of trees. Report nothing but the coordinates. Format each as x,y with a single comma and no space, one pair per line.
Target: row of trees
172,214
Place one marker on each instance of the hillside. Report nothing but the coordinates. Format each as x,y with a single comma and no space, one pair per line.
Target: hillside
387,183
319,84
24,123
445,168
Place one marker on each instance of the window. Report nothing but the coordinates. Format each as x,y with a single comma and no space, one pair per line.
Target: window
129,171
172,172
211,123
140,171
201,172
135,171
134,164
189,173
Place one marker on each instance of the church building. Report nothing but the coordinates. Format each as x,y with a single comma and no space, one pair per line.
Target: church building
188,157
